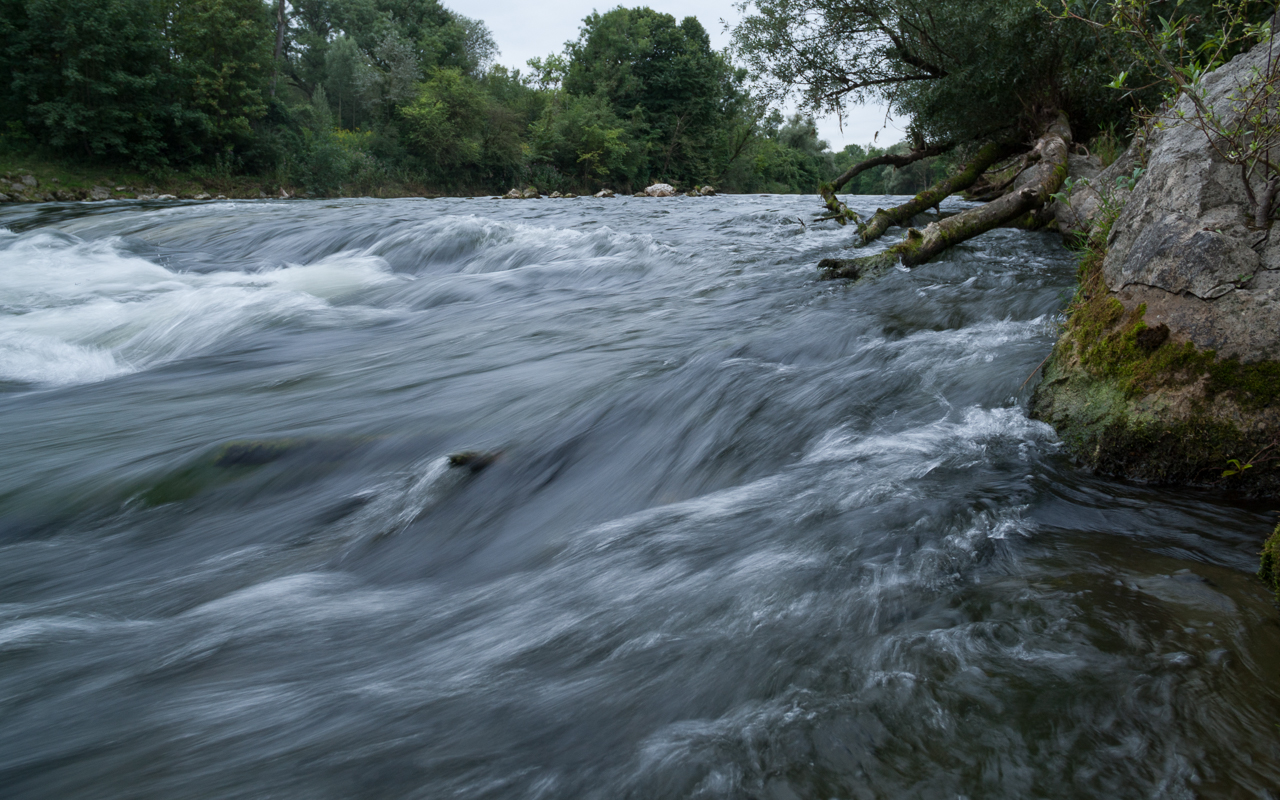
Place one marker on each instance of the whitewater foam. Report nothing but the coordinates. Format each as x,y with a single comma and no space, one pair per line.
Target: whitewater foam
74,312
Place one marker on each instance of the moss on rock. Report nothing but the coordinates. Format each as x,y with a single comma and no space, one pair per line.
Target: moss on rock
1129,399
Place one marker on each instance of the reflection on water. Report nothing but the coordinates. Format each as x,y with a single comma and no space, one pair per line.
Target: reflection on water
747,535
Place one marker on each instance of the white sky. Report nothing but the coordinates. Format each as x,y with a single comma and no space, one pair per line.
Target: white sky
525,29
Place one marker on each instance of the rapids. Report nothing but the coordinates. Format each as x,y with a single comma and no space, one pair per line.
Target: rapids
748,535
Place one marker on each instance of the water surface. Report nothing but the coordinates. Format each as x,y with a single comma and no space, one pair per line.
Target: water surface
749,535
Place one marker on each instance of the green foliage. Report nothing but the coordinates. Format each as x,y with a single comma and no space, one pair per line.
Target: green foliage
664,79
583,138
961,71
373,93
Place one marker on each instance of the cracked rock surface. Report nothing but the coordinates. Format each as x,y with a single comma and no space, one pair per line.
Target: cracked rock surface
1184,244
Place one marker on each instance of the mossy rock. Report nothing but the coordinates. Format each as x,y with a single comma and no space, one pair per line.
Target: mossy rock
1130,399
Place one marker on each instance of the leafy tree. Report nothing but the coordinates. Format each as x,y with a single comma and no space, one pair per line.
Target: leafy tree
661,76
459,131
223,53
89,75
585,140
960,70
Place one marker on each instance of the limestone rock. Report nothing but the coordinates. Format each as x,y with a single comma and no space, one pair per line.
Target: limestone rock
707,191
660,190
514,194
604,193
1170,363
555,195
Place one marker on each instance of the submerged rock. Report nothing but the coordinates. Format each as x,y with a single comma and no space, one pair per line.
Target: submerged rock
1168,368
472,460
604,193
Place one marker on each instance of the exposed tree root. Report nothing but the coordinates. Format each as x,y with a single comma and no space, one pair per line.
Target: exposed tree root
918,247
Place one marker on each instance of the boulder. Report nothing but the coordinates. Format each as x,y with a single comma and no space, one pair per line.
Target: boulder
514,194
707,191
639,194
555,195
201,196
660,190
1169,365
30,181
99,193
530,193
166,197
4,198
604,193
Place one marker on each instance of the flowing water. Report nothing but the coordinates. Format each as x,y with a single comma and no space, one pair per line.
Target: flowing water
748,535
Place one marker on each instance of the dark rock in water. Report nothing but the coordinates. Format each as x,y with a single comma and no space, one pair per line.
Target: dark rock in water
472,460
835,268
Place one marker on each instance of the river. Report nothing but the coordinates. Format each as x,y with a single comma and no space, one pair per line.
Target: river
747,534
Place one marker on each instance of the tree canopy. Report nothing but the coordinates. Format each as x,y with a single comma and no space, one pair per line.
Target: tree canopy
960,71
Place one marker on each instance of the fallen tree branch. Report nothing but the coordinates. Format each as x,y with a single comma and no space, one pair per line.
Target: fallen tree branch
842,213
935,194
918,247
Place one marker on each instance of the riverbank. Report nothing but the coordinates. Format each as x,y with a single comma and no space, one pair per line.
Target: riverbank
39,180
27,179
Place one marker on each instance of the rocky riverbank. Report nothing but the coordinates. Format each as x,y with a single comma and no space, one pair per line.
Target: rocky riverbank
1168,366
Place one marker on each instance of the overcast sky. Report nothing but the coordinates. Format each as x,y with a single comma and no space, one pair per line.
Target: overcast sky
524,29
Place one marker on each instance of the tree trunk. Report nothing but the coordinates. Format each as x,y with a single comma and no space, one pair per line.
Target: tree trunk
842,213
966,177
1050,155
275,75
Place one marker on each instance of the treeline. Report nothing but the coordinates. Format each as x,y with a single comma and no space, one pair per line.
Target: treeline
346,96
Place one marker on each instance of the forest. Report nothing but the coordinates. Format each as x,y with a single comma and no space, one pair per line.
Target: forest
336,97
